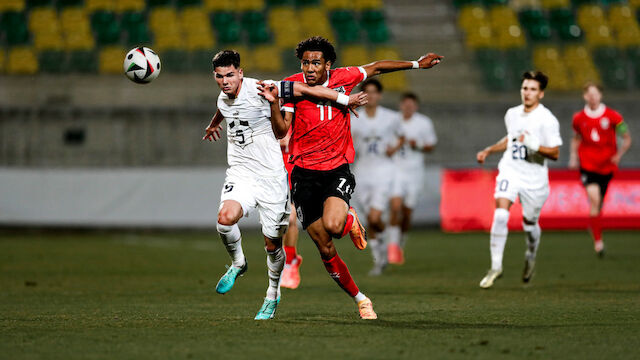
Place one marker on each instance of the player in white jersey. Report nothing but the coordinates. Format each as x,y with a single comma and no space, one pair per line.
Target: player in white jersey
376,138
420,138
533,136
256,177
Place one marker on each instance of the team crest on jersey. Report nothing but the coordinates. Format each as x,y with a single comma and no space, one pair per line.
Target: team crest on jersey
604,123
341,90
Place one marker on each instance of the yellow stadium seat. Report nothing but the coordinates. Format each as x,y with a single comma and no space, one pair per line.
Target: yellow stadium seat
548,60
246,59
110,60
314,21
162,18
76,29
197,29
396,81
589,16
472,16
580,65
479,37
219,5
130,5
100,5
12,5
355,55
635,3
277,17
367,4
555,4
48,41
337,4
249,5
43,20
267,58
385,53
22,61
506,28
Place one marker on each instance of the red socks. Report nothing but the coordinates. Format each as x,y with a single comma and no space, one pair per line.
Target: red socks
347,226
338,270
291,253
596,228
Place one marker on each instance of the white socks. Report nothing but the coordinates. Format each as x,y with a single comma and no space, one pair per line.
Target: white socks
394,234
378,251
275,264
232,241
499,232
359,297
532,238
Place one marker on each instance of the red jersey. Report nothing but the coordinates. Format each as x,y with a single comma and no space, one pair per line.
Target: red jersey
321,138
598,131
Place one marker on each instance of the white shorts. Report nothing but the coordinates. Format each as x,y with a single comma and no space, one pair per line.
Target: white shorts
408,186
269,195
531,199
373,194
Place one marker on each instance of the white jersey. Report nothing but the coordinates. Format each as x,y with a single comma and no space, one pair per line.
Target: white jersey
253,149
418,128
371,137
518,163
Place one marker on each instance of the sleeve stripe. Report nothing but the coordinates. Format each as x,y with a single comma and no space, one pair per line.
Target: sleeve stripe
364,73
288,109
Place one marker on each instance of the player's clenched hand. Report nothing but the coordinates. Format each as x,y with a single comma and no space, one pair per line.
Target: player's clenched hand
429,60
615,159
269,91
357,100
212,133
481,156
530,141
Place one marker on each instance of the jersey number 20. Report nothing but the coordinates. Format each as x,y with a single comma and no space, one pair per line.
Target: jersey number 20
518,152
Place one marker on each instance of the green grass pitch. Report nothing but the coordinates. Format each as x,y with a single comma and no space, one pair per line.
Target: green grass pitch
151,296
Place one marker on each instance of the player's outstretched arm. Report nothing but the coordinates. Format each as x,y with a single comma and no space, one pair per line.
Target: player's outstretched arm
212,132
626,142
301,89
500,146
280,124
533,144
385,66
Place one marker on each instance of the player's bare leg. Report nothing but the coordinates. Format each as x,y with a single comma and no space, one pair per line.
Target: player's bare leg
291,272
336,268
532,233
395,232
376,241
275,264
498,239
228,216
339,220
595,206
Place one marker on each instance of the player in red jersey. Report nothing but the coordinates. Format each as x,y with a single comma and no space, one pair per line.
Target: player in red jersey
594,150
322,149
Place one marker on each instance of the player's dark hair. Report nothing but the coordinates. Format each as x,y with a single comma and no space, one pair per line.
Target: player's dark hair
226,58
372,81
590,84
538,76
410,95
317,43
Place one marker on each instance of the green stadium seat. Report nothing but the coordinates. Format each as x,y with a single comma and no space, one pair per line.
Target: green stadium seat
461,3
258,34
69,3
379,34
134,24
155,3
228,33
536,24
53,62
221,19
253,20
302,3
517,62
83,62
106,27
174,61
185,3
371,18
14,25
39,3
610,62
564,23
490,3
290,63
278,3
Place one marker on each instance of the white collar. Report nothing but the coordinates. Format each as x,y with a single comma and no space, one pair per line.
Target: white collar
594,114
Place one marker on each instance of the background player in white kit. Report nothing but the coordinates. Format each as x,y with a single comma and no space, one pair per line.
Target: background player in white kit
256,177
533,135
420,137
376,138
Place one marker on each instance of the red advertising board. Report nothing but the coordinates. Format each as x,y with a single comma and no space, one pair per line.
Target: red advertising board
467,201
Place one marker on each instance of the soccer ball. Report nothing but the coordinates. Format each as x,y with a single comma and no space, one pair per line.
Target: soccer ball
142,65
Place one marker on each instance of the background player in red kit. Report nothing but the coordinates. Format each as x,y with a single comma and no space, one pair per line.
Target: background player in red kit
322,149
594,150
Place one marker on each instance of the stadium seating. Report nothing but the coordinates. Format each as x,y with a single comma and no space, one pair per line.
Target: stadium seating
573,40
83,36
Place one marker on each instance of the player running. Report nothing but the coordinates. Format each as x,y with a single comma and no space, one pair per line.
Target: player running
594,150
533,136
376,137
256,177
322,150
420,138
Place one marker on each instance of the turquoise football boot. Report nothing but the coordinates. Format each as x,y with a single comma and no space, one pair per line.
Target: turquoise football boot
268,309
229,278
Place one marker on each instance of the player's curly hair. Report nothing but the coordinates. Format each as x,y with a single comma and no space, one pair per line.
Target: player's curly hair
317,43
538,76
226,58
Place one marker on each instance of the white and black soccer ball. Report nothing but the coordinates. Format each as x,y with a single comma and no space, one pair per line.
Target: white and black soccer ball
142,65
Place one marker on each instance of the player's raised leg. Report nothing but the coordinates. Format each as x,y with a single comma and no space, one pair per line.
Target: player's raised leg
498,239
230,213
291,272
532,202
376,241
